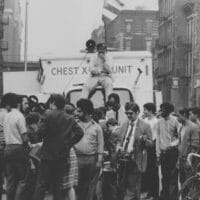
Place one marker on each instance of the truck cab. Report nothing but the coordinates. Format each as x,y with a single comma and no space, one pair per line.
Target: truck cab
98,96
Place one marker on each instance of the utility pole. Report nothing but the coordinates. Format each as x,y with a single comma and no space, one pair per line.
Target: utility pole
26,37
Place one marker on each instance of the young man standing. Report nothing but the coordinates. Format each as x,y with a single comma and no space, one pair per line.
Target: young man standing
188,143
3,112
194,115
136,136
59,132
151,179
89,150
117,110
16,156
167,151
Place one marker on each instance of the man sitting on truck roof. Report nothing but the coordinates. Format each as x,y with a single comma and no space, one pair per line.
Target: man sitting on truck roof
100,73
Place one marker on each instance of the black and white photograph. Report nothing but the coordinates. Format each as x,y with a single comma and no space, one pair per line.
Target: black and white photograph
99,99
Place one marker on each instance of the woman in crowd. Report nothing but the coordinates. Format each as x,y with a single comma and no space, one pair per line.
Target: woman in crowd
70,178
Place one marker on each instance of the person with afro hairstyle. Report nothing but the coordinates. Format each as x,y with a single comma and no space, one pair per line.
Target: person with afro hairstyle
89,150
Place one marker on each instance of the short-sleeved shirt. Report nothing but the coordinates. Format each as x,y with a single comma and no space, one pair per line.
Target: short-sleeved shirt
92,142
14,127
3,113
97,63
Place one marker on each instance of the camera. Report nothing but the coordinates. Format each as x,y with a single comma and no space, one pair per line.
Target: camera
124,156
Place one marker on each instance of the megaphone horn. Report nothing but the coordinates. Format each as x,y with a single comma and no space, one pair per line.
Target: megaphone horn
90,45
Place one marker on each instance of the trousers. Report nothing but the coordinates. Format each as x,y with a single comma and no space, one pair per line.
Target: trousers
93,82
50,174
170,174
16,166
87,176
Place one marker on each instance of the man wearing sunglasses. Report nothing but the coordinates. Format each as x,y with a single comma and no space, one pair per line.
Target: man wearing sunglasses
136,135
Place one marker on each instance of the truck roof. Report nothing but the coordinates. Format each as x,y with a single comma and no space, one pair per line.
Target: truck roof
115,54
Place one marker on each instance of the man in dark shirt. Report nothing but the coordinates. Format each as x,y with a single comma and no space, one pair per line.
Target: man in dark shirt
59,133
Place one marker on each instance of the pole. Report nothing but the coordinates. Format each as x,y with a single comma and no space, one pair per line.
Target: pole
105,32
26,37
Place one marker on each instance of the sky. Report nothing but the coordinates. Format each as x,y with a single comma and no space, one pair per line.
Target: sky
59,28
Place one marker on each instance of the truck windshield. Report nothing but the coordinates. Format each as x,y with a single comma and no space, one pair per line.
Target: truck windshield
98,97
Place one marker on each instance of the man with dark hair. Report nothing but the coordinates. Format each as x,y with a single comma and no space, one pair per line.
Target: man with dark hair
3,112
167,151
59,132
151,179
89,150
188,143
70,108
109,177
100,73
16,156
136,136
58,101
117,111
149,107
194,115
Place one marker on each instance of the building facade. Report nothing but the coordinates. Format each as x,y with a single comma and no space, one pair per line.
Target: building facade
1,42
177,50
12,32
131,30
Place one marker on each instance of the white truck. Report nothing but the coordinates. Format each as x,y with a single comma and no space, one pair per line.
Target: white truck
132,78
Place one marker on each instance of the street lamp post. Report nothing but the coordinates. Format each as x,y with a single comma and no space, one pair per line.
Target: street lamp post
26,37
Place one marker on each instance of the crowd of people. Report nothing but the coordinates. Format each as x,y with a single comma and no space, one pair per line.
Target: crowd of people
80,152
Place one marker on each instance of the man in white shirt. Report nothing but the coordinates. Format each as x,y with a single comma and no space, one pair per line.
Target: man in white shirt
188,143
3,112
16,156
150,178
100,73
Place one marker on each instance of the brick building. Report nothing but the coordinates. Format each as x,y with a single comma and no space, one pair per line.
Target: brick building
131,30
177,50
1,41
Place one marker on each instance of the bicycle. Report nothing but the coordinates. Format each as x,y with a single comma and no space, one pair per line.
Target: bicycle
190,189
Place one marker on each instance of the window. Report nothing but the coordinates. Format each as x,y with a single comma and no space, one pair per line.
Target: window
128,28
128,45
98,98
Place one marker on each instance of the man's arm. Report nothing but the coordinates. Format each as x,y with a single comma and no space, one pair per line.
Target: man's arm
148,136
76,135
93,67
194,139
107,64
100,146
158,142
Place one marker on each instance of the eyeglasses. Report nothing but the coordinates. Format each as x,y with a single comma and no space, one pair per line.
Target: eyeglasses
129,113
